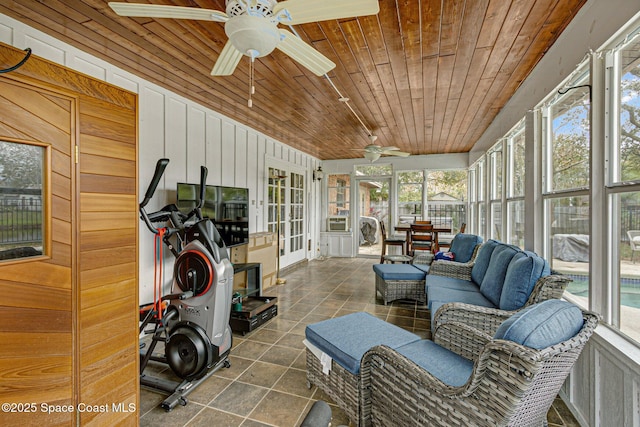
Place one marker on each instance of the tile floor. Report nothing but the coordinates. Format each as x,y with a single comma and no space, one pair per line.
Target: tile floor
266,383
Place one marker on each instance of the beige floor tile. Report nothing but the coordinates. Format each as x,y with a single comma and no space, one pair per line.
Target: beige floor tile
279,408
262,374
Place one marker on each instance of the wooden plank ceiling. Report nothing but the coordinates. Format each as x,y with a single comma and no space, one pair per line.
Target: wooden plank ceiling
426,76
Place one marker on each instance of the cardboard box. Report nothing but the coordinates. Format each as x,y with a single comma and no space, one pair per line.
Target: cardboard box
263,249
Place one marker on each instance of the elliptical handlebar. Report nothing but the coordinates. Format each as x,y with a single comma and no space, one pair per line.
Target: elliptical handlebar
203,184
165,213
161,165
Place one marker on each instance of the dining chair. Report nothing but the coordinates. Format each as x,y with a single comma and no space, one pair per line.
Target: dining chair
421,238
389,241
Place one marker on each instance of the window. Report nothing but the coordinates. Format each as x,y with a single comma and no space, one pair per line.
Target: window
21,200
568,143
446,198
515,186
338,186
566,147
628,145
410,186
476,198
624,189
373,170
495,193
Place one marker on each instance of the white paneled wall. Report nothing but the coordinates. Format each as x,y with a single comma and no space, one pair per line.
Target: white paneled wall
185,132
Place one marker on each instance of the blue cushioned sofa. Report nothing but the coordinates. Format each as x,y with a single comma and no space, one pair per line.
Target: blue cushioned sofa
503,277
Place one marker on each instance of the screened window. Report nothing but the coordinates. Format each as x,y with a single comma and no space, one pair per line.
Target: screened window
628,147
495,170
624,191
446,198
515,186
373,170
21,200
410,185
338,187
569,142
495,192
566,147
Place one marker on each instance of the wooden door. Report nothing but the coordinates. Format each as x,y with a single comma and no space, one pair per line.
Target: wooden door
37,297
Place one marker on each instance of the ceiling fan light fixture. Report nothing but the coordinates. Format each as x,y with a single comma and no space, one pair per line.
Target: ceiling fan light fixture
371,156
254,36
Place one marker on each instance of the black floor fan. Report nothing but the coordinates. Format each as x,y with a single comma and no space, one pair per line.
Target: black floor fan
193,321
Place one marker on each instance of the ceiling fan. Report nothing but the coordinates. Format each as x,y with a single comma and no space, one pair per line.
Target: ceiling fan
252,27
373,152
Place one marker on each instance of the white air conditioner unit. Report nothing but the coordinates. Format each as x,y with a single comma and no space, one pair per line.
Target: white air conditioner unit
338,223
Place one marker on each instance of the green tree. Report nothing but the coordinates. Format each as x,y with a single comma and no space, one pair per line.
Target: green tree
629,150
452,182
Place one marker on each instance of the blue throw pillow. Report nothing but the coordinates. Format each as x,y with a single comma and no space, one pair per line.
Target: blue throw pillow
491,286
542,325
522,274
482,261
463,246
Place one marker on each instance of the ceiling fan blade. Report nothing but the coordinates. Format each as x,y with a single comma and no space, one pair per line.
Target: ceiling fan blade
395,153
164,11
227,61
303,53
303,11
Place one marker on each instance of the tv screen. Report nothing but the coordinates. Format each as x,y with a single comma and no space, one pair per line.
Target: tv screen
226,207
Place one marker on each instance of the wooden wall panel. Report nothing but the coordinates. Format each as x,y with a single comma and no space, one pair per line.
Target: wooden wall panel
78,305
108,241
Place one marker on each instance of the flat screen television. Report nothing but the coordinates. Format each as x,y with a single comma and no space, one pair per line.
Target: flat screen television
226,207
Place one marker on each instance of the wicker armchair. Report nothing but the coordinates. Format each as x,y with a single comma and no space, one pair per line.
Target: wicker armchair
510,384
459,270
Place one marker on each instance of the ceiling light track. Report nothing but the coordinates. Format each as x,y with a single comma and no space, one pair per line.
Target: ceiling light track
345,100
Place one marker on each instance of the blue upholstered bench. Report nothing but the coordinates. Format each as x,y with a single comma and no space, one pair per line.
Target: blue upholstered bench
401,281
335,348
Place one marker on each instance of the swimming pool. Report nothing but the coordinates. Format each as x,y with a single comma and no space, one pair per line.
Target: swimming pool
629,289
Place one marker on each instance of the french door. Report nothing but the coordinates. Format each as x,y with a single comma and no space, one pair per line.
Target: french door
286,187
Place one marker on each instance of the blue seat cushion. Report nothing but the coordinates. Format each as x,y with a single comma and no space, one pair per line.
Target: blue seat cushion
482,261
435,281
491,286
422,267
449,367
522,274
445,295
347,338
463,246
542,325
398,272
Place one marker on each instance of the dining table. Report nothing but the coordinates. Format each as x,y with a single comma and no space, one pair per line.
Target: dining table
437,228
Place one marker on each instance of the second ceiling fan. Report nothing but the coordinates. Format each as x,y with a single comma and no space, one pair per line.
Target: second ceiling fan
372,152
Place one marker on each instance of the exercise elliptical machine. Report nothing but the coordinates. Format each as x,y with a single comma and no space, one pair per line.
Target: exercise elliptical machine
193,321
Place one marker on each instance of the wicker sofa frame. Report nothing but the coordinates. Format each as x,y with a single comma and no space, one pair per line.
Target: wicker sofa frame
510,385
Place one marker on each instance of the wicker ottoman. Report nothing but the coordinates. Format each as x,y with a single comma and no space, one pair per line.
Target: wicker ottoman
335,348
401,281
